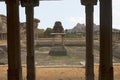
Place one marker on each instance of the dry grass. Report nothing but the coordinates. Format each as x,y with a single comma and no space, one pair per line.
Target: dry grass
59,73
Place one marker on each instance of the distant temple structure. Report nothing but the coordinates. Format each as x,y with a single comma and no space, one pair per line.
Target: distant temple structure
58,47
58,28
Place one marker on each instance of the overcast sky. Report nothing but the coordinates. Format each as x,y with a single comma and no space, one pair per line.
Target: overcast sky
69,12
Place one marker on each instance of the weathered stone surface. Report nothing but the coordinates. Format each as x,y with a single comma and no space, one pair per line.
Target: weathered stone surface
58,28
58,51
3,27
3,24
58,48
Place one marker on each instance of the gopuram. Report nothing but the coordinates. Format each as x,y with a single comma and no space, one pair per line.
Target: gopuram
58,47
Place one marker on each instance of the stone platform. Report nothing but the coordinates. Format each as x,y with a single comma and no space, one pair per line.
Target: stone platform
58,51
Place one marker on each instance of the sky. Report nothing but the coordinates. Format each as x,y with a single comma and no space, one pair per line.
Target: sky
69,12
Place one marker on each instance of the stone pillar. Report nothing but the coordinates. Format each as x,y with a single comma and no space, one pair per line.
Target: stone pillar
89,43
13,41
106,66
89,38
30,43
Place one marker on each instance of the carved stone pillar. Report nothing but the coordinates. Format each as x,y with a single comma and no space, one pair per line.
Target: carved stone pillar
29,9
89,38
13,41
30,43
106,66
89,43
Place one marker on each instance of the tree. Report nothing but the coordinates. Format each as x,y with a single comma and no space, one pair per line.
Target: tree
48,32
40,33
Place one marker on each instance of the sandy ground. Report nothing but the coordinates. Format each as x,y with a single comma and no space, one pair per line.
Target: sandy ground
75,73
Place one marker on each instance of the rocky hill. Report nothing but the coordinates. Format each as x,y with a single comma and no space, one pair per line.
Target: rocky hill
81,28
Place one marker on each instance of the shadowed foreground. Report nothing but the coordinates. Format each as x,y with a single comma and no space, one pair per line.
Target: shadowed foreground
43,73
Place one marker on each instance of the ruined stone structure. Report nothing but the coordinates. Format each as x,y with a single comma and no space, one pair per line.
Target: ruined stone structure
116,35
23,28
58,28
13,39
3,27
58,48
